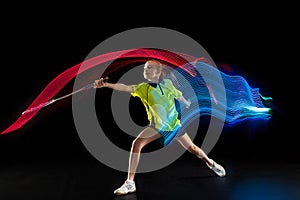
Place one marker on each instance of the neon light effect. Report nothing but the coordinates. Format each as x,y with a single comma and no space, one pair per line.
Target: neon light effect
239,97
260,188
241,103
256,109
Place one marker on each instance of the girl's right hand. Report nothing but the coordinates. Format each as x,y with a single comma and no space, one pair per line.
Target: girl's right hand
100,82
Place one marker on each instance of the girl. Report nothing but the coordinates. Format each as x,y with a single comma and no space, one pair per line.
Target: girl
158,98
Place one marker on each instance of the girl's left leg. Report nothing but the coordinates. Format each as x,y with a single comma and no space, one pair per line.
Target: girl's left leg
188,144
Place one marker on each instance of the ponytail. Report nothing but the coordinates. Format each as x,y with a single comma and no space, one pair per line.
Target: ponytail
166,72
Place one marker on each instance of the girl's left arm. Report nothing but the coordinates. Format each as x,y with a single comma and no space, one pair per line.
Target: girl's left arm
185,101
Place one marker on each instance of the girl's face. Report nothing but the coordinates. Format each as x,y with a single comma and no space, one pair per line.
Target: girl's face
152,71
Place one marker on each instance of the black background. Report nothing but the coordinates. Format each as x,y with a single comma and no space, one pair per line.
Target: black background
39,44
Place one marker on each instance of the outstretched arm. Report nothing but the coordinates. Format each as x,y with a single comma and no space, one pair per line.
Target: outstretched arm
186,102
116,86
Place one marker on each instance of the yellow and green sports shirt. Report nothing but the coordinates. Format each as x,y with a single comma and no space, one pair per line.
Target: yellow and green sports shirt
158,100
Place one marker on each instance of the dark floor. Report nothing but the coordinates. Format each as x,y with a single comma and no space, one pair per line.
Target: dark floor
84,177
42,163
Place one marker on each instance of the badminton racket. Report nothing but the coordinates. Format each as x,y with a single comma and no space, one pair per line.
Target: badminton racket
42,105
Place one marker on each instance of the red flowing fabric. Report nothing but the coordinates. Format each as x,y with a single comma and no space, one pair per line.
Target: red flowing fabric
175,59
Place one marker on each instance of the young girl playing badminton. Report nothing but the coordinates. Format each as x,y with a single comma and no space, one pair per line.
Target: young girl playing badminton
157,95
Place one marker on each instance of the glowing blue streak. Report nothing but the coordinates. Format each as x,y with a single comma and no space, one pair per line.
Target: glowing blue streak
241,102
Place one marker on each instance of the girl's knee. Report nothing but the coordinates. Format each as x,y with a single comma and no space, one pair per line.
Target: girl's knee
193,149
137,145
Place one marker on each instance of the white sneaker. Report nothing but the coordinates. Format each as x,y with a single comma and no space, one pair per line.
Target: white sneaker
127,187
218,169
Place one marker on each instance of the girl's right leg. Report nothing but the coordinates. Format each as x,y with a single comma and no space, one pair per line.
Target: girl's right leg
145,137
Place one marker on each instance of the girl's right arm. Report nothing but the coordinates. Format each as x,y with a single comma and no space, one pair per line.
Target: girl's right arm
116,86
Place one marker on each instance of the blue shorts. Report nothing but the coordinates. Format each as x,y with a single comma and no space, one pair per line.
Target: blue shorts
168,136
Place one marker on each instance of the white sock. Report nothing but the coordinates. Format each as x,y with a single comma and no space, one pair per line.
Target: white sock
130,181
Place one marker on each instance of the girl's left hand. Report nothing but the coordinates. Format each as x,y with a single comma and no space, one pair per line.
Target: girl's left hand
188,103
